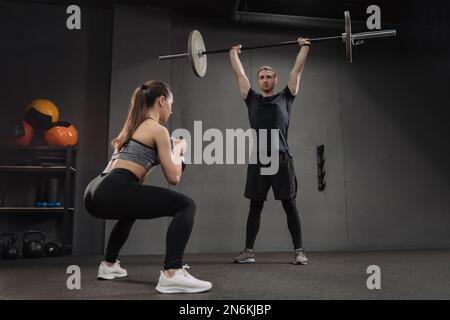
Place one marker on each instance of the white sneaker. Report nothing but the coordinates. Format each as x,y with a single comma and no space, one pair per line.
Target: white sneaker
108,273
181,282
300,257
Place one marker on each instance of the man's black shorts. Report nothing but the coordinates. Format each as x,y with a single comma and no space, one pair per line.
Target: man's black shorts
284,182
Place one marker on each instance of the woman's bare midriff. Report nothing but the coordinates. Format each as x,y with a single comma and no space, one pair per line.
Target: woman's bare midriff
138,170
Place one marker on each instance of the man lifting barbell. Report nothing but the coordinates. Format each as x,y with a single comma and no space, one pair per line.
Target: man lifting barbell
284,183
271,111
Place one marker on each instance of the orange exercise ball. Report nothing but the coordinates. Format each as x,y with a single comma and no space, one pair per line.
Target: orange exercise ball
61,134
28,135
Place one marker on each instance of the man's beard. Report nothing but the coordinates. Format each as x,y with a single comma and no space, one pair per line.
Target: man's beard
267,89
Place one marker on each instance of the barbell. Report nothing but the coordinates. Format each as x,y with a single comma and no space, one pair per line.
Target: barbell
197,51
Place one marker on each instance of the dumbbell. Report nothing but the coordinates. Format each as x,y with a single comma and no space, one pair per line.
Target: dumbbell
44,204
53,248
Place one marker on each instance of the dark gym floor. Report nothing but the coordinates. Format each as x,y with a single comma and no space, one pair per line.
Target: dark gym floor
415,274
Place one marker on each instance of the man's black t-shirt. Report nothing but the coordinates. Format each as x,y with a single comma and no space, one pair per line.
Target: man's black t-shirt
271,112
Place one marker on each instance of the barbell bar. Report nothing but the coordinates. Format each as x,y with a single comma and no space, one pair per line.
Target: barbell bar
197,52
278,44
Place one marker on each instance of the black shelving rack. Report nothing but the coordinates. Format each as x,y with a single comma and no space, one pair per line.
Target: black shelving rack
42,161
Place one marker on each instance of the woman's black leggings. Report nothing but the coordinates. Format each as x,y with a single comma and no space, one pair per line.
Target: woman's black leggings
254,220
119,195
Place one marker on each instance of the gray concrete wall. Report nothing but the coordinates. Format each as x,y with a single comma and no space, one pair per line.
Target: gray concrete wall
395,140
381,120
139,36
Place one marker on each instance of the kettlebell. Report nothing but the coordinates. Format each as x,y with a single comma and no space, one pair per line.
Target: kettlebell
183,160
9,250
53,248
183,163
33,248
